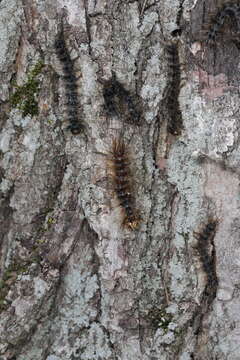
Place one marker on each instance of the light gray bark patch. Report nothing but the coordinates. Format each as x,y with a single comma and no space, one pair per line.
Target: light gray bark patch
76,319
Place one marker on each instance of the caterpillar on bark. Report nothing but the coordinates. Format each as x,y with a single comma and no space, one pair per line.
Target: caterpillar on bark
205,240
119,101
71,86
207,254
121,179
173,89
213,27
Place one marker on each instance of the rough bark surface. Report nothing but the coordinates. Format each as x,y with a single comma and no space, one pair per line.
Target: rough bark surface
74,283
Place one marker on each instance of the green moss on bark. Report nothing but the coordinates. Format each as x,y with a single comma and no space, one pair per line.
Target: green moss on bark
25,96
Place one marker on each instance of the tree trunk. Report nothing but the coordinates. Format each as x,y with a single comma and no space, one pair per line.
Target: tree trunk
96,95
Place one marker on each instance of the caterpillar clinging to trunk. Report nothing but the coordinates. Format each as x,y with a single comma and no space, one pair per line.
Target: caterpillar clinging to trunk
171,98
71,85
213,27
121,178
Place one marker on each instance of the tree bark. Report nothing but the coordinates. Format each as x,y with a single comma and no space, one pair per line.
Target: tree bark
75,282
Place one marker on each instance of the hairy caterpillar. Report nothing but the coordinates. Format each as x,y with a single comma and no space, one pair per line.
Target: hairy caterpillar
208,260
122,184
120,102
205,240
178,30
173,89
217,21
71,86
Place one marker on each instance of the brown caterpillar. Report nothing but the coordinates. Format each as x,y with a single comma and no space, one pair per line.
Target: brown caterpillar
216,23
71,86
121,178
173,89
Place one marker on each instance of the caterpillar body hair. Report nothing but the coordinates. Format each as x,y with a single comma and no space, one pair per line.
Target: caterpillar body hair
173,89
216,23
122,183
71,86
205,240
207,254
121,102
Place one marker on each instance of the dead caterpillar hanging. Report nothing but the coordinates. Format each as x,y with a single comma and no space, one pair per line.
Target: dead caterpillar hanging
216,23
173,89
71,86
121,178
119,101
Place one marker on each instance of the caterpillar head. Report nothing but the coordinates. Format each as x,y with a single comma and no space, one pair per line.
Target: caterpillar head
132,222
75,128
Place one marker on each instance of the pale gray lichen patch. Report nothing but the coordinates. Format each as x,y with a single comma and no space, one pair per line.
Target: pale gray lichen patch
89,78
101,37
11,14
225,294
131,349
18,120
149,21
178,277
130,40
5,185
27,310
164,338
76,13
208,130
77,327
99,344
185,356
24,145
168,14
21,307
152,91
87,287
5,139
40,287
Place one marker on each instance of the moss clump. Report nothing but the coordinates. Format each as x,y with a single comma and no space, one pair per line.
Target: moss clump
24,97
51,221
159,318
